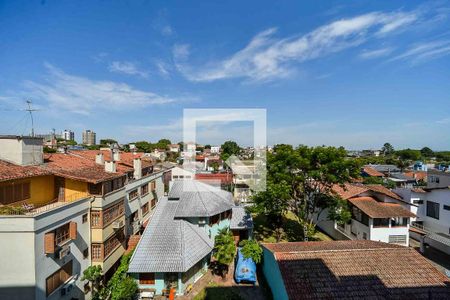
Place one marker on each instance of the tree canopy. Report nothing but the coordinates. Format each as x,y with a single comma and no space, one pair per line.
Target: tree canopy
426,152
229,148
251,249
224,247
387,149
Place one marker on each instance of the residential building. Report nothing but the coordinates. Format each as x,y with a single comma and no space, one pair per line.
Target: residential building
432,225
350,270
176,246
174,148
73,210
420,166
89,137
387,170
368,171
378,214
215,149
69,135
180,173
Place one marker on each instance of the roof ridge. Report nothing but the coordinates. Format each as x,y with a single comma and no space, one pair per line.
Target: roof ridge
201,199
345,250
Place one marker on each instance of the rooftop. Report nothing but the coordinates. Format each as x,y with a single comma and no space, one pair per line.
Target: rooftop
9,171
240,218
198,199
169,244
357,270
375,209
372,172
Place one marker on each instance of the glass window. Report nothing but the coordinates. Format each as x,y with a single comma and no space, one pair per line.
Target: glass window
433,209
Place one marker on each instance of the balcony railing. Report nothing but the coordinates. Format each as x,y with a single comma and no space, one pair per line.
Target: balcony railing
28,209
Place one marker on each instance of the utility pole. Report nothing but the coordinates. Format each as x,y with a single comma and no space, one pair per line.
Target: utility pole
30,109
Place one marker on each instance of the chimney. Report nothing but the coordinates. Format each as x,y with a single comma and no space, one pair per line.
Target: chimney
110,166
137,166
99,159
116,155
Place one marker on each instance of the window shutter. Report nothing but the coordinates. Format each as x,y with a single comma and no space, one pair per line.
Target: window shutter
49,243
73,230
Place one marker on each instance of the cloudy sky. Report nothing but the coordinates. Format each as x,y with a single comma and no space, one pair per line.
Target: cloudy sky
351,73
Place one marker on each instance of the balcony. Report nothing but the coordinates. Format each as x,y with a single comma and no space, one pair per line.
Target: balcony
25,208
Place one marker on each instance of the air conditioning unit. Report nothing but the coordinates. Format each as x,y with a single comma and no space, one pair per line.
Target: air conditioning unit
118,224
66,289
64,251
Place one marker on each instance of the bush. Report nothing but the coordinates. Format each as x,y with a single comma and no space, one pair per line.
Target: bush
251,249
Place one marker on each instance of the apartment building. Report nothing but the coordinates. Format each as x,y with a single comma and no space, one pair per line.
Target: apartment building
67,211
68,135
89,137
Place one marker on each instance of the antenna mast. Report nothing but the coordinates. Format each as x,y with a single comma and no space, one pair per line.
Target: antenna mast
30,109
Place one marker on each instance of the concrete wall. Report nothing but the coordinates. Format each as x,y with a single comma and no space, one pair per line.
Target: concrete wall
441,196
74,189
273,276
22,150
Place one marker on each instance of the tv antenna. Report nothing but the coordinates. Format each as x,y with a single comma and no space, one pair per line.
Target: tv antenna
30,109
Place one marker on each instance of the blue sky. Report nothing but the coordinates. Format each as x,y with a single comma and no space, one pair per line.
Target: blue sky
351,73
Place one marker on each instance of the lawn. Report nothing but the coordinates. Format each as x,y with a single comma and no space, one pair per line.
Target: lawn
292,230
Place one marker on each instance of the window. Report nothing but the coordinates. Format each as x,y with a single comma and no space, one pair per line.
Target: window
433,209
144,209
113,185
144,189
153,202
397,239
381,222
112,213
446,207
214,219
58,278
84,218
100,252
133,194
14,192
96,252
146,278
153,185
417,201
96,219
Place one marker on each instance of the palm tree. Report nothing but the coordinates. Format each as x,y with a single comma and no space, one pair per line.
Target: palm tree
224,249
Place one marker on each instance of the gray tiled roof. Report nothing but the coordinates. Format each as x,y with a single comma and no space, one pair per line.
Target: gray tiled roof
168,244
240,219
385,168
197,199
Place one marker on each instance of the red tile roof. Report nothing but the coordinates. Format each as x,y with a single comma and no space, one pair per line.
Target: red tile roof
349,190
378,188
357,270
125,164
224,178
9,171
418,175
375,209
372,172
77,167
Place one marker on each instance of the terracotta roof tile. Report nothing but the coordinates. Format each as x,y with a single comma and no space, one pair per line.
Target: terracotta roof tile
125,164
372,172
357,270
77,167
378,188
375,209
418,175
349,190
9,171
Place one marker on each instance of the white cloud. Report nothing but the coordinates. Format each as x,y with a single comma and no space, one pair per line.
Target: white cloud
267,57
167,30
126,67
181,51
163,68
370,54
82,95
425,51
443,121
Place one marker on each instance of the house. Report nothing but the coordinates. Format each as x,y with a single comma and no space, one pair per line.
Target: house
368,171
215,149
241,224
72,210
176,246
387,170
350,270
432,225
174,148
420,166
378,214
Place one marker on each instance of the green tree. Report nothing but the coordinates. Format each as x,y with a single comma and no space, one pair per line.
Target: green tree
387,149
311,173
49,150
215,165
143,146
402,164
229,148
377,180
121,286
426,152
207,146
251,249
107,142
274,203
408,154
93,274
163,144
224,249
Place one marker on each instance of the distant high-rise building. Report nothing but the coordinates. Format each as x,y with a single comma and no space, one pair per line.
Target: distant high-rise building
89,137
68,135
